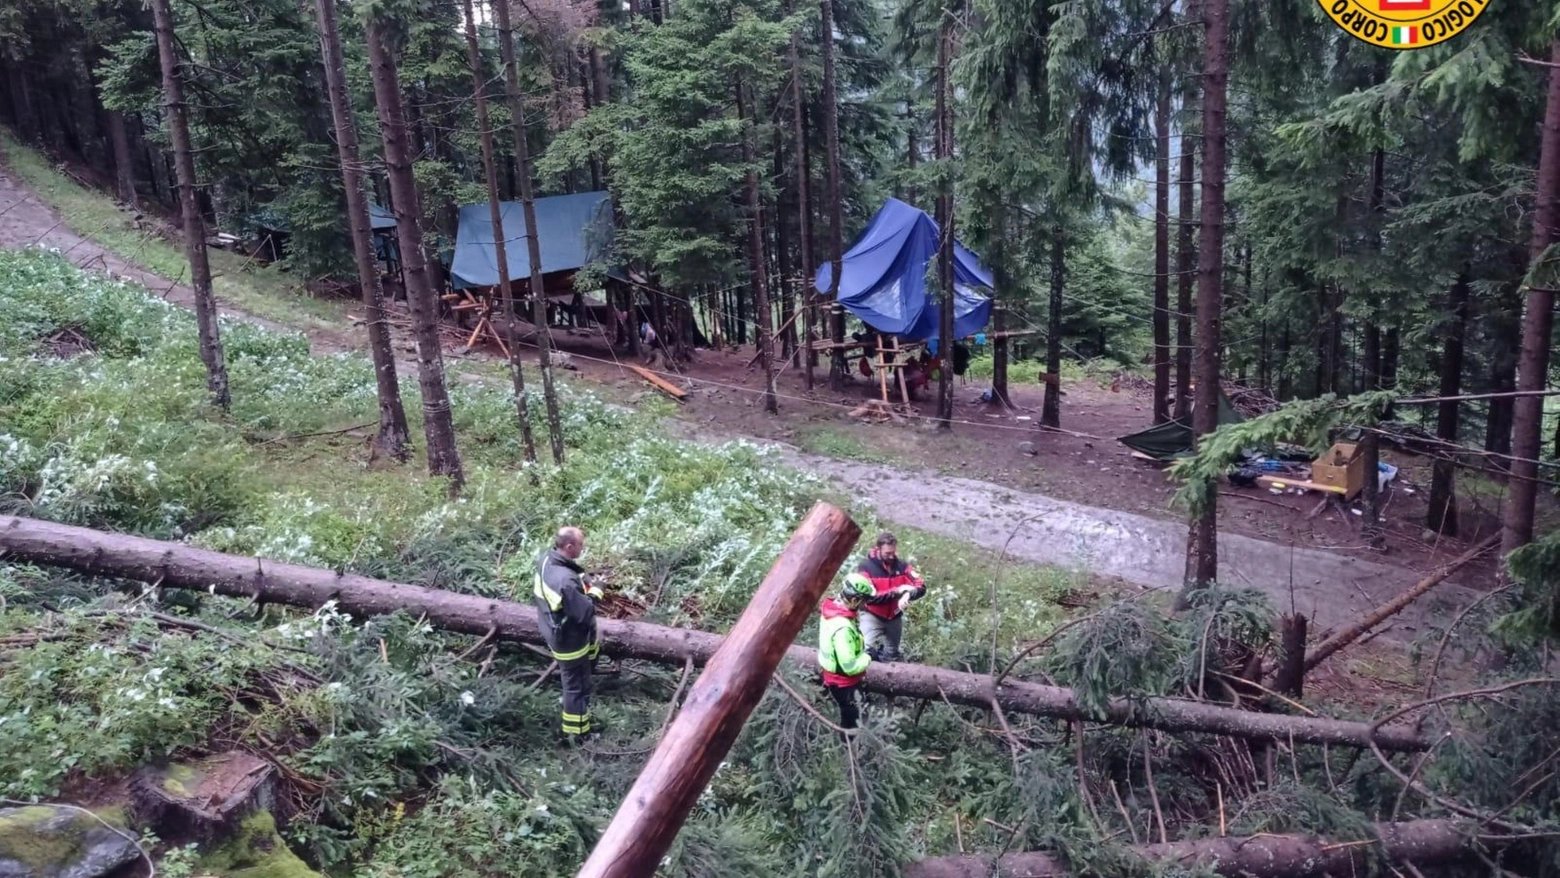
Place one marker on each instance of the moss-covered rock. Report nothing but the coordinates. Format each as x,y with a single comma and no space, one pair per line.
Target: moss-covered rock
255,851
52,841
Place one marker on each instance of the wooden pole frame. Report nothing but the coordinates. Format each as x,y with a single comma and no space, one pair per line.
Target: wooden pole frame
720,701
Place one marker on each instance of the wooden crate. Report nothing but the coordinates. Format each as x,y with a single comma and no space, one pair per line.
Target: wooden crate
1341,467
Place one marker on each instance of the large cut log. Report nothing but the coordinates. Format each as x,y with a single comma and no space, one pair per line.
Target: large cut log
1420,842
720,702
175,565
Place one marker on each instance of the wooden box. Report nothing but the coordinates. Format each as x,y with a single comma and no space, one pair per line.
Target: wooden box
1341,467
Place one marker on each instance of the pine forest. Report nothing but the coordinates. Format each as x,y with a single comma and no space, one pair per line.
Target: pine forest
841,438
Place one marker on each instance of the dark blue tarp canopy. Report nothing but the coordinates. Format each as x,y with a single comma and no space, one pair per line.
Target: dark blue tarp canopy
574,230
883,277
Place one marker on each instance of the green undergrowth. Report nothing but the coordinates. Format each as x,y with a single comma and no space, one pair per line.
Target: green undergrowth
263,291
397,742
408,752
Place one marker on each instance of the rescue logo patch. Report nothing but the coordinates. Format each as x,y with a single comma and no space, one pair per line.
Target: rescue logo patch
1403,24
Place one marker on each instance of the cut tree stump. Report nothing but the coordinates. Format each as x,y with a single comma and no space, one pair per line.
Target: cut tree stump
205,798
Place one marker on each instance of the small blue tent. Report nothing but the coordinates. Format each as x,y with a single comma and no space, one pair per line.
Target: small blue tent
575,230
883,277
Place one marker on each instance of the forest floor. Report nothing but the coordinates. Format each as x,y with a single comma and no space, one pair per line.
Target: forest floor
1075,499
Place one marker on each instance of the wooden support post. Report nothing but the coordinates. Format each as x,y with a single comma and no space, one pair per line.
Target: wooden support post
882,369
899,372
720,701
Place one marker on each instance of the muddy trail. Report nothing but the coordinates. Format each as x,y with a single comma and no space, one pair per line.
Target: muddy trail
1330,588
1145,551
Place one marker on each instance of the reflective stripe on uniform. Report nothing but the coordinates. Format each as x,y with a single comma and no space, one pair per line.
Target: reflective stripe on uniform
589,650
541,589
576,723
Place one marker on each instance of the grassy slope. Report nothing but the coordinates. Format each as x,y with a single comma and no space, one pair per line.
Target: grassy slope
261,291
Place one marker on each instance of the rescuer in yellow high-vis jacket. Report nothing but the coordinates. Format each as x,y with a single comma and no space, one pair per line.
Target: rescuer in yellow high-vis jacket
566,611
842,654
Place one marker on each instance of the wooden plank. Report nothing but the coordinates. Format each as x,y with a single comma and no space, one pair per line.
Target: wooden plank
660,383
1273,482
720,701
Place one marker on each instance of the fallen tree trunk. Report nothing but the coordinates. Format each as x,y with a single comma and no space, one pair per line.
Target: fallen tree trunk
1420,842
1395,605
175,565
721,701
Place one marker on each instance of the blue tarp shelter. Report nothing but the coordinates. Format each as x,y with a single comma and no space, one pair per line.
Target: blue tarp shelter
380,219
883,277
574,231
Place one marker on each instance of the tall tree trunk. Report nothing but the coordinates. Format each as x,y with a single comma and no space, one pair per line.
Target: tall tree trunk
1002,283
506,295
785,268
1202,556
1051,407
124,165
912,149
22,104
1186,272
1285,382
1371,445
756,255
438,420
1443,497
533,246
803,209
1497,430
194,224
393,432
1389,359
945,225
1162,254
831,116
1537,321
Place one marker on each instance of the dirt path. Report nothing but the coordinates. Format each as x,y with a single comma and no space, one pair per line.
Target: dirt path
1145,550
1330,588
27,221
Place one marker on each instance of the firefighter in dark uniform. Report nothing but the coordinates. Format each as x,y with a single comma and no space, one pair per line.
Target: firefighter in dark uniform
566,609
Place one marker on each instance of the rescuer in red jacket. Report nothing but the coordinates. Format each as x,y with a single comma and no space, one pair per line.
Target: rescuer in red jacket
896,584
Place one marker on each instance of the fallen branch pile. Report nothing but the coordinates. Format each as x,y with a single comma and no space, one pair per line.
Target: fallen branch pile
1419,843
173,565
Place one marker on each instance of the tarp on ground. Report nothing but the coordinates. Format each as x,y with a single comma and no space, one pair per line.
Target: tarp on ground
883,277
574,230
1173,439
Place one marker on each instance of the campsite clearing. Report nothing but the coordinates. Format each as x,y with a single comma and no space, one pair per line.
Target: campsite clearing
1085,465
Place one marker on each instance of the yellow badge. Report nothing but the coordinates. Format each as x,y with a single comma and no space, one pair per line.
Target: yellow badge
1403,24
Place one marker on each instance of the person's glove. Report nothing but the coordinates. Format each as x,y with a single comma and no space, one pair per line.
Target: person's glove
594,591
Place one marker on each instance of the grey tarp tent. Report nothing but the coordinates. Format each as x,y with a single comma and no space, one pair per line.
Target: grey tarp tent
575,230
1173,439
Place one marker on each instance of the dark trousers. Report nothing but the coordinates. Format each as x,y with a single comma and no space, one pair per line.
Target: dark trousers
845,697
575,675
